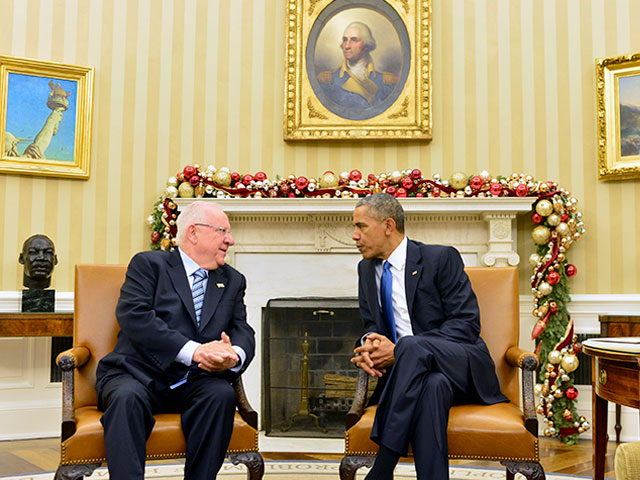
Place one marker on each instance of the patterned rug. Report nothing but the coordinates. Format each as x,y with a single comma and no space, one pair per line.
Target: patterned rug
297,470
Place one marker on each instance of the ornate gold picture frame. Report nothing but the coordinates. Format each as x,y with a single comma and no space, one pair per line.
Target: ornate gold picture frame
618,92
45,115
357,70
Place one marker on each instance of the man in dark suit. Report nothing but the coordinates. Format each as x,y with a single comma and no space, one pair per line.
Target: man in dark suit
183,339
422,327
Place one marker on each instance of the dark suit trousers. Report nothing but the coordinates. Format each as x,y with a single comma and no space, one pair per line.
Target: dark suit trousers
428,375
207,405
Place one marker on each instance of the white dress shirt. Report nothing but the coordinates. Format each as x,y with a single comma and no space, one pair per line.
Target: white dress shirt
185,355
398,260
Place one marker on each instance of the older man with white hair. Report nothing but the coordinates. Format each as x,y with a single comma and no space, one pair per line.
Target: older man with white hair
183,339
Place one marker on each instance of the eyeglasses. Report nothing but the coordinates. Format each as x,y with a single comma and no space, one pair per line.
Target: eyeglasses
225,231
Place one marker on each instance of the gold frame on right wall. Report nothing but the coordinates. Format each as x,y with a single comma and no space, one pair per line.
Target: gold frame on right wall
618,97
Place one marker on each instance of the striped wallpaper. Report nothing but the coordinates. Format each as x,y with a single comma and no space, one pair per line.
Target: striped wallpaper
197,81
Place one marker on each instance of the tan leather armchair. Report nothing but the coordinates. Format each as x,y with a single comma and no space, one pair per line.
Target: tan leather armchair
94,335
505,432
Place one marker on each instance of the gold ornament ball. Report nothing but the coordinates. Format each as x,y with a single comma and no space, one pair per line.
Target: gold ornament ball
563,229
554,220
458,180
545,389
172,182
570,362
328,180
199,191
171,192
545,289
555,357
540,235
534,259
544,208
185,190
165,243
222,177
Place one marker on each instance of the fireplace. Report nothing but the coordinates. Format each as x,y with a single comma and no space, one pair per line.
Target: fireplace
308,379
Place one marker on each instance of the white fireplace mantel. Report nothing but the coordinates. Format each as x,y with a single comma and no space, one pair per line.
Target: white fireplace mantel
483,229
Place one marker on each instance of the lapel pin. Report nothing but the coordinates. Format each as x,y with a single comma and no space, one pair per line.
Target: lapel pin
415,272
220,285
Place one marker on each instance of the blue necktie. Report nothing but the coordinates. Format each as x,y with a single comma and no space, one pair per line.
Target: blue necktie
198,291
386,299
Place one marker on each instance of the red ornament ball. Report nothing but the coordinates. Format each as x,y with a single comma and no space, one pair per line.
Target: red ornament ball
495,189
536,217
285,188
564,217
416,174
401,192
571,270
371,178
235,176
553,278
292,195
476,182
247,179
155,237
419,195
391,191
194,180
553,307
355,175
407,182
522,190
260,176
188,171
571,393
301,183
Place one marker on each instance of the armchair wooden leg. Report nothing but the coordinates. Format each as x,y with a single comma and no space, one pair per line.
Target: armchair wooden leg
351,463
531,470
253,462
75,472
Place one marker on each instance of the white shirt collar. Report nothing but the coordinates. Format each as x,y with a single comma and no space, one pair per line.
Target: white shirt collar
398,257
189,263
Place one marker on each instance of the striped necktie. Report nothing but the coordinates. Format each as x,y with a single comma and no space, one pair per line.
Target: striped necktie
198,291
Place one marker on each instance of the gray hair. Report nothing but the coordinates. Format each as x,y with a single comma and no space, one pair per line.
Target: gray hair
367,36
190,215
382,206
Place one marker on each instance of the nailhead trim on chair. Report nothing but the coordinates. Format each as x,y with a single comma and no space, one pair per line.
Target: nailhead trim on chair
149,457
465,457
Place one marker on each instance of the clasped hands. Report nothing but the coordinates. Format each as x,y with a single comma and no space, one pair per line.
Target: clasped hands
217,355
375,355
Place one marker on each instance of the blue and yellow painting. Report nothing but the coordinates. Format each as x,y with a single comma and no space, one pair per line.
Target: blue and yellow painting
40,118
629,98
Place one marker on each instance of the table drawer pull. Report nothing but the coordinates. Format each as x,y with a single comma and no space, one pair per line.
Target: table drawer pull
603,376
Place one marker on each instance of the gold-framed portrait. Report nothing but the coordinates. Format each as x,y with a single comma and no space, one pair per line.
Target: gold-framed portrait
45,114
618,97
358,70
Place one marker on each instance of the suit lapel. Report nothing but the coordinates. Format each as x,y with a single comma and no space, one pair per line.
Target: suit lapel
178,277
372,292
215,288
412,274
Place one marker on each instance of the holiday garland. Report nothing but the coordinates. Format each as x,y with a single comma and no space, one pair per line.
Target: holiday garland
557,224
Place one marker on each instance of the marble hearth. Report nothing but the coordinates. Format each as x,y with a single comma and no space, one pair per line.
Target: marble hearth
303,247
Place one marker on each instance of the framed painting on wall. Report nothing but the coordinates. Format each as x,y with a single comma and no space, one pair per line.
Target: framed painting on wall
358,69
45,114
618,92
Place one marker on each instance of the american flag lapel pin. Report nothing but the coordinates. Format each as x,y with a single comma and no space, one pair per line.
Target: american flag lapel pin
220,285
415,272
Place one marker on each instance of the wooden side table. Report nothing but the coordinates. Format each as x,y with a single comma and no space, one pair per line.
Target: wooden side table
615,378
619,326
36,324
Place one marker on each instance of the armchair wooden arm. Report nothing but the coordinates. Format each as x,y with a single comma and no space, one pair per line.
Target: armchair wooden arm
528,363
359,400
245,410
68,361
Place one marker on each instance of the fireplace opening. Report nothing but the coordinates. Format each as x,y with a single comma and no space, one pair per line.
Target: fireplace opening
308,379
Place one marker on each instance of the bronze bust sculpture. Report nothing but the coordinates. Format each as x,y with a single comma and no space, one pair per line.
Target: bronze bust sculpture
38,257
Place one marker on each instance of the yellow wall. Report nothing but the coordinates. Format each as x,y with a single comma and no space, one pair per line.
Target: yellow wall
198,81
